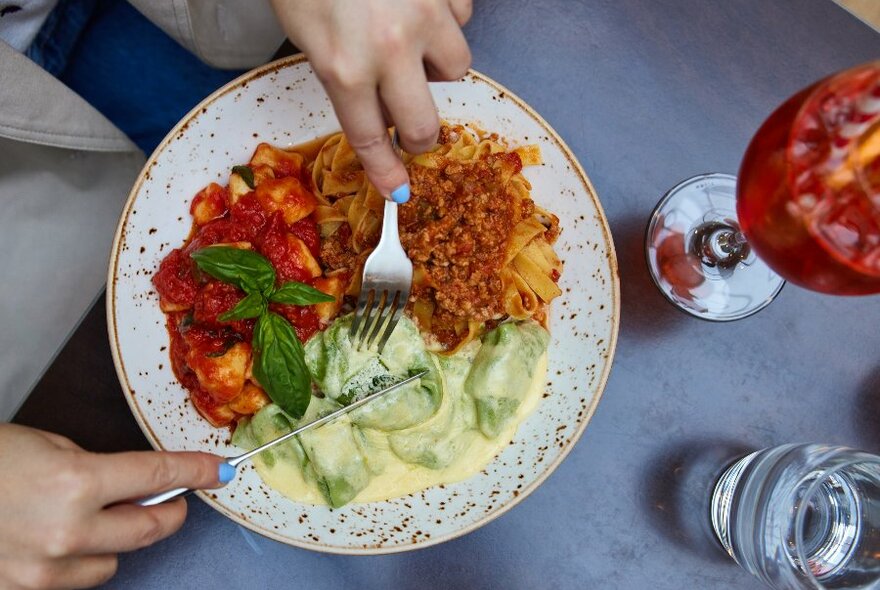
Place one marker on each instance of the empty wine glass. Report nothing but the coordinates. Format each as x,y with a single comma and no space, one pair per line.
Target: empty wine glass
805,208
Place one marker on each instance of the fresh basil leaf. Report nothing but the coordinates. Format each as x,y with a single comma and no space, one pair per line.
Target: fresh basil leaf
249,307
279,364
296,293
247,175
247,270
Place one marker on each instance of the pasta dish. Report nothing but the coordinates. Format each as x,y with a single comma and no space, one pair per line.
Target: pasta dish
256,303
480,247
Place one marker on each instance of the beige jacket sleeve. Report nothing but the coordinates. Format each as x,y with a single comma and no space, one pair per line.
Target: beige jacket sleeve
228,34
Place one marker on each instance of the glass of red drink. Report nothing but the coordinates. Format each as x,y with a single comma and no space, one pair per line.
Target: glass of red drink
805,208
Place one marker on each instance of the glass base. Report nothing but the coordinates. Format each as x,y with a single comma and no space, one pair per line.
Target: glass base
722,498
802,516
698,256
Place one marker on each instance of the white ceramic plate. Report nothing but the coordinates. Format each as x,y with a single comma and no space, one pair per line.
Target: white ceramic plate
284,104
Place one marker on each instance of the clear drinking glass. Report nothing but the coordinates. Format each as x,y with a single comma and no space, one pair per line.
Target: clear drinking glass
806,204
802,516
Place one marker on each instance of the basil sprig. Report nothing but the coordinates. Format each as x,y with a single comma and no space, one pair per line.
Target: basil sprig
294,293
280,364
252,306
247,175
279,359
247,270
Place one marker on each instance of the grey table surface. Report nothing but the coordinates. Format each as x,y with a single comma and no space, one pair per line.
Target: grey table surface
646,92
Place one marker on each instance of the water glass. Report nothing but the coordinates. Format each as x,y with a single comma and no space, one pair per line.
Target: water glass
802,516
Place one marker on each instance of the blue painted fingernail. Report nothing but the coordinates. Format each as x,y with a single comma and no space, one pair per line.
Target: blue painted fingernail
226,473
400,195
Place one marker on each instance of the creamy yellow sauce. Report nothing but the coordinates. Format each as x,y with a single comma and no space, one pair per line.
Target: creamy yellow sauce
399,478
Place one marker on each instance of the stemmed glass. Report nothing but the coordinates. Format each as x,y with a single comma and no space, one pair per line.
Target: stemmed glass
805,208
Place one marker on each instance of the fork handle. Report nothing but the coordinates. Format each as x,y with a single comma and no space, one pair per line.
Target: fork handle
390,233
164,497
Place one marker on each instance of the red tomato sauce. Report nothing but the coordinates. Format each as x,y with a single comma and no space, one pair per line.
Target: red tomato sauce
274,244
194,301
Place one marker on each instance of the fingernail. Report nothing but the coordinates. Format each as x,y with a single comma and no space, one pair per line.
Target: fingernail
400,195
226,473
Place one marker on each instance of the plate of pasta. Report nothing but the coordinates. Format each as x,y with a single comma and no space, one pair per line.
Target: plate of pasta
232,278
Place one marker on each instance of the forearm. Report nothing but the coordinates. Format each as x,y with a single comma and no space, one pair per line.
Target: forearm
229,34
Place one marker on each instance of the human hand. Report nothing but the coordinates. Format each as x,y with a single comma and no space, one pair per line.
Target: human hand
64,518
375,58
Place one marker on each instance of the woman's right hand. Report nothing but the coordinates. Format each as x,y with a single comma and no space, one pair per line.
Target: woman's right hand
375,58
65,512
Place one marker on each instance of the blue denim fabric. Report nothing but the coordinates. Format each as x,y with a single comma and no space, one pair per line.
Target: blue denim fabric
59,34
125,66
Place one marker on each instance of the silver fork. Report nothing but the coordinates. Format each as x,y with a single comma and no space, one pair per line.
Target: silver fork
234,461
386,282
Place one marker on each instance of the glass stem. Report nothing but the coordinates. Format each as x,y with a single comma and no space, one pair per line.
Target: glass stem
732,242
720,245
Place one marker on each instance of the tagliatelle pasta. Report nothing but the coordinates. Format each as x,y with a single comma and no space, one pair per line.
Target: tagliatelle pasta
481,251
481,248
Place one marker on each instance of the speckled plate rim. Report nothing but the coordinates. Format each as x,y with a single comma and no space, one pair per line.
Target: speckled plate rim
274,67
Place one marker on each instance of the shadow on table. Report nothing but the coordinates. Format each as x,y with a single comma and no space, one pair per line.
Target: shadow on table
679,485
866,410
79,396
645,312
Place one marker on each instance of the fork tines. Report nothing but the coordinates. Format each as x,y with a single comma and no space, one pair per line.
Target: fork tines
389,308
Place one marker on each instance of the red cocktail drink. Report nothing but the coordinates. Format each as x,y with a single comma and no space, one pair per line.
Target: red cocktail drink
808,196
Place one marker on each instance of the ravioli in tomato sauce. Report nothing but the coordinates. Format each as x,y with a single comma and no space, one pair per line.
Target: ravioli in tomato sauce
267,206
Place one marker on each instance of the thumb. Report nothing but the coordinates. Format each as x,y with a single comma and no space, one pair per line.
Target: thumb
126,476
360,114
386,172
